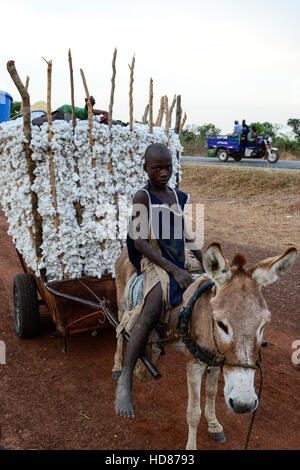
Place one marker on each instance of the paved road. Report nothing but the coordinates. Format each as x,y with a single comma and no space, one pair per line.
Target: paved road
245,162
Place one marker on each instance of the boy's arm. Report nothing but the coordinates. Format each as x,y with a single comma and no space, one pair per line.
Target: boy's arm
95,111
198,254
99,111
182,277
193,248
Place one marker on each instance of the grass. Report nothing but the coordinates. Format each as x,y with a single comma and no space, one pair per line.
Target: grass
241,182
248,206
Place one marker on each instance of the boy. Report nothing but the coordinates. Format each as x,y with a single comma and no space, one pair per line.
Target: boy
65,112
164,254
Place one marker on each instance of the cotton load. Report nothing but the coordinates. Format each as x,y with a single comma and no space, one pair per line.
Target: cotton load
102,178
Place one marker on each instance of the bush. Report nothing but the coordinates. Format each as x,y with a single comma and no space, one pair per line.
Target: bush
15,108
286,144
194,138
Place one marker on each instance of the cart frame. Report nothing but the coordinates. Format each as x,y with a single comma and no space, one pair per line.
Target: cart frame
71,314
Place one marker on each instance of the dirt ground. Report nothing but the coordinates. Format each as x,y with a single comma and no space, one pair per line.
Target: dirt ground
51,400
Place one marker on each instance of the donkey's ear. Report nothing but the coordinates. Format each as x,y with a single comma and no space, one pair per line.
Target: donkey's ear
267,271
216,265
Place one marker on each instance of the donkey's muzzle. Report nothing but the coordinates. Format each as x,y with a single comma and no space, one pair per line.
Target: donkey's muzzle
240,408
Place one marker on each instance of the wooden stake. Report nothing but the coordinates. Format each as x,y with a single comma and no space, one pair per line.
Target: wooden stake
77,204
131,80
160,112
167,118
178,114
145,115
182,123
111,103
49,82
72,89
177,128
131,94
102,244
90,110
38,235
151,106
26,88
51,163
171,110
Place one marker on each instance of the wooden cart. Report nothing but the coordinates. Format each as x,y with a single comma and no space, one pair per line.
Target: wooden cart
75,305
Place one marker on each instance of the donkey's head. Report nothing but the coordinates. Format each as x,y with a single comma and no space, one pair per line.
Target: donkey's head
239,315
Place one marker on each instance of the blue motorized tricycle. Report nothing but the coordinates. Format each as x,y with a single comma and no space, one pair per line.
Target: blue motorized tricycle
226,146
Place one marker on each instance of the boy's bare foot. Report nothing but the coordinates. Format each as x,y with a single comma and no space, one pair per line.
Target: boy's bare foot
124,406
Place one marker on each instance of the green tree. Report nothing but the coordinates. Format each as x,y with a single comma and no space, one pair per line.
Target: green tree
266,128
206,129
188,136
295,125
15,108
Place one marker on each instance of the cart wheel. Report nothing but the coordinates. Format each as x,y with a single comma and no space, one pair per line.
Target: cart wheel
25,305
223,155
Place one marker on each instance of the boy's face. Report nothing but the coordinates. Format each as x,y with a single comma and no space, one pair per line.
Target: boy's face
159,170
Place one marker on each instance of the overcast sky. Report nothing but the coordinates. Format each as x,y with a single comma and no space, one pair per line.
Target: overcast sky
229,59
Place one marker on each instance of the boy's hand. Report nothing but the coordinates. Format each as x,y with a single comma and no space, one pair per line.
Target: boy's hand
182,277
91,99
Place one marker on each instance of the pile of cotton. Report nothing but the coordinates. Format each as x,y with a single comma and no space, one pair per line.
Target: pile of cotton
102,178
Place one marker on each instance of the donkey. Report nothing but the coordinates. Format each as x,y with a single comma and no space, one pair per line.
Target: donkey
227,322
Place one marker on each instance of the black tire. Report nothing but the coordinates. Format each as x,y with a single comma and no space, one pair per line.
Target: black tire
222,155
237,158
274,157
25,306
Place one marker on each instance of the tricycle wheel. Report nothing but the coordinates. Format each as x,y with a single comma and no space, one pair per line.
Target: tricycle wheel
237,158
25,305
223,155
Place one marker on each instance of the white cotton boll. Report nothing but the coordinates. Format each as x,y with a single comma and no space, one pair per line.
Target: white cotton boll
94,178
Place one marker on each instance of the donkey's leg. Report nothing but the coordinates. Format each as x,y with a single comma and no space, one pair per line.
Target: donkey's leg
211,387
194,375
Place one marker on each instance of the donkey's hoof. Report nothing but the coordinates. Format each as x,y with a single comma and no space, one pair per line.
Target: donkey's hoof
218,437
116,374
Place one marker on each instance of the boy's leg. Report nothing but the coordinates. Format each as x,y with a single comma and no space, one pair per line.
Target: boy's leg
146,321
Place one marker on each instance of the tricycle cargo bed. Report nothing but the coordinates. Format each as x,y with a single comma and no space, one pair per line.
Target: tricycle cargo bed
226,141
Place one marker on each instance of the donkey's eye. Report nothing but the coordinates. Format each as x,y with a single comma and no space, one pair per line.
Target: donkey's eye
223,327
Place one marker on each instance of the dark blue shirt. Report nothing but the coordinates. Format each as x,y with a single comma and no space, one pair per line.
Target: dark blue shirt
171,244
